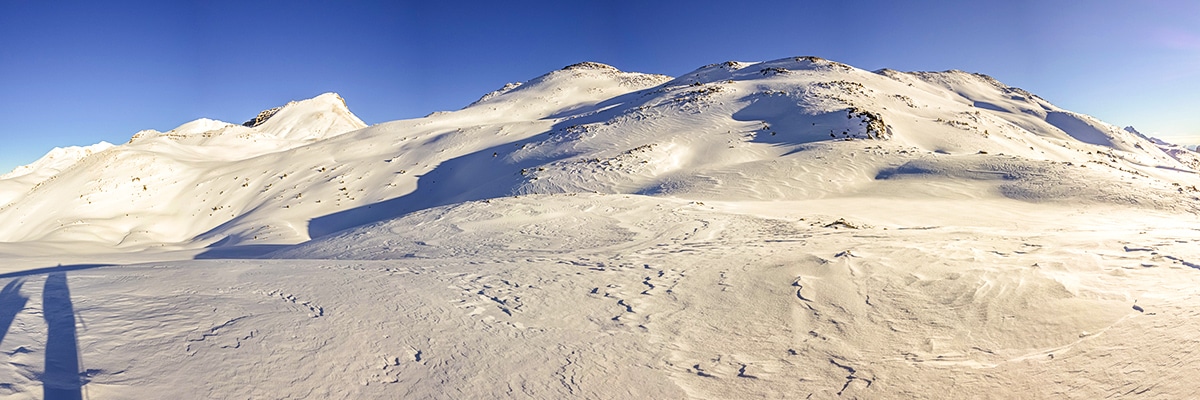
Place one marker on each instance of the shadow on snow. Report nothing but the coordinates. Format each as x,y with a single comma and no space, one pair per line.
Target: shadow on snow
11,303
61,379
493,172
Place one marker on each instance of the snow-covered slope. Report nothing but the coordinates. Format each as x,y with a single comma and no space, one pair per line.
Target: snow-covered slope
24,177
297,123
1186,156
629,296
795,128
161,187
55,161
797,228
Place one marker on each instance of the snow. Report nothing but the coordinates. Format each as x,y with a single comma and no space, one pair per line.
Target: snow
57,160
166,188
791,228
1184,154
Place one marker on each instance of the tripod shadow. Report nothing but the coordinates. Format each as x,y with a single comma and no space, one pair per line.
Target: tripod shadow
61,380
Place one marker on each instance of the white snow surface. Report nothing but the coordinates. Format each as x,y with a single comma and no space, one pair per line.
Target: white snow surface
784,229
24,177
1185,155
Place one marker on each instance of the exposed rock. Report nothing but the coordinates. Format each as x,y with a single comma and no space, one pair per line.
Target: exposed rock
590,65
262,117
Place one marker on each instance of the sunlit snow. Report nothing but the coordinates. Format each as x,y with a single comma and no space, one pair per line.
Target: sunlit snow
783,229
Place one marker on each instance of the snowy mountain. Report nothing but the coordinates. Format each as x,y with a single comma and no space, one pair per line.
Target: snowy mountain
1185,155
55,161
164,187
725,131
780,229
25,177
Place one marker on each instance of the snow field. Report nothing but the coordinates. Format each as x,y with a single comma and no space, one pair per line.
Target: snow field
786,229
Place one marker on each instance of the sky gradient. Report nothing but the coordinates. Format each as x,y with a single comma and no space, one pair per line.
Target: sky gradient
76,73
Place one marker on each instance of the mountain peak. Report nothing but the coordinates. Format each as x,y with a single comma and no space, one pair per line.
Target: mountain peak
58,159
327,98
570,87
320,117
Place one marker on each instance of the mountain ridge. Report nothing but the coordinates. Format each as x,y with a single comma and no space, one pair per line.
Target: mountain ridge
787,129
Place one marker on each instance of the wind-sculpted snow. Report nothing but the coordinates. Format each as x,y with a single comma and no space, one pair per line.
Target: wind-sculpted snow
626,296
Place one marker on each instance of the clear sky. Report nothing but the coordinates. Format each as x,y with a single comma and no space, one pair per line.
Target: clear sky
76,73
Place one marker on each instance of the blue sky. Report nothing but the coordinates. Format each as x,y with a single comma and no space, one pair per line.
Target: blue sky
76,73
